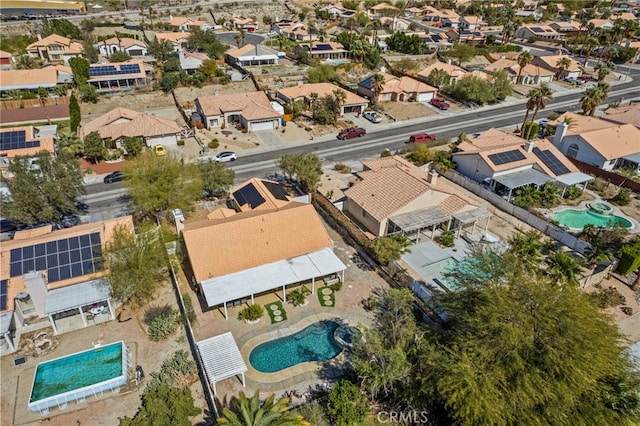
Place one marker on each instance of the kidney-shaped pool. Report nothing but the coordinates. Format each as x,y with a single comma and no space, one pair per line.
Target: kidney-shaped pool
313,343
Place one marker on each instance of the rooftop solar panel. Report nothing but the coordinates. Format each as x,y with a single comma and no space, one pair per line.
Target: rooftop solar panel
4,287
276,190
62,259
506,157
16,140
537,30
248,194
551,161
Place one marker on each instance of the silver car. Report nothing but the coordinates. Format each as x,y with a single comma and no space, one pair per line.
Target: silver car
225,156
372,116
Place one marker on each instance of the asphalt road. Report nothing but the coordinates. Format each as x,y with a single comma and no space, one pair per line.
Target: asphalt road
230,39
104,197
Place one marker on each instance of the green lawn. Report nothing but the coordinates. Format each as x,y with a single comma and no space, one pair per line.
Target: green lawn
273,307
327,291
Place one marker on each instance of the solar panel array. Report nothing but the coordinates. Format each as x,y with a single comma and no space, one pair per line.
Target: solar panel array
320,46
537,30
506,157
551,161
104,70
276,190
16,139
4,287
62,259
248,194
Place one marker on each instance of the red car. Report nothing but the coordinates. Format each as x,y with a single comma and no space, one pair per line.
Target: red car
422,138
352,132
440,103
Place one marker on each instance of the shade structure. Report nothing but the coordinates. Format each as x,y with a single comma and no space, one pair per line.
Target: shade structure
221,358
522,178
574,178
420,219
271,276
468,217
76,296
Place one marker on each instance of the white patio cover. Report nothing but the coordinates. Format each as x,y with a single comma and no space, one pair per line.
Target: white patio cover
271,276
76,296
574,178
221,358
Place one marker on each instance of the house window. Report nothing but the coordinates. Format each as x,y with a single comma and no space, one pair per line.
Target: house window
573,150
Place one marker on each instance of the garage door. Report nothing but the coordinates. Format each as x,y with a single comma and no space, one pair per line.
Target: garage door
256,126
425,97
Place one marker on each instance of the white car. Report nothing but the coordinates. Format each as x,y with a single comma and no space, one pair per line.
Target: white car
225,156
372,116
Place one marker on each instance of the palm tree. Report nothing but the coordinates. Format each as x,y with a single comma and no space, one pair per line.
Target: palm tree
249,412
550,193
604,69
527,248
524,59
564,268
562,65
532,97
588,44
70,144
340,97
377,85
594,96
544,94
26,62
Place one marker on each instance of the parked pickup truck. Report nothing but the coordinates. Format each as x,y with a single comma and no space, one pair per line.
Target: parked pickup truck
352,132
440,103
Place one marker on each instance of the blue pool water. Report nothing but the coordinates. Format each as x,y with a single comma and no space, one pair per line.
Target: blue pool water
74,372
438,270
578,219
314,343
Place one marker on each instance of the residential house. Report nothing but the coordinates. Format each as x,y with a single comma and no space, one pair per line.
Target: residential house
6,60
632,5
451,22
466,36
47,77
383,9
394,23
289,245
185,24
394,196
26,141
250,55
413,12
121,123
535,14
338,12
55,48
472,22
242,23
252,110
625,114
325,51
179,41
455,72
192,61
437,41
566,27
397,89
538,31
624,16
505,162
531,74
299,32
599,142
57,275
118,76
433,15
131,46
551,63
605,24
353,103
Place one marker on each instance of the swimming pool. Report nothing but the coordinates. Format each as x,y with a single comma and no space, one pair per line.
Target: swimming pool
578,219
438,270
76,376
313,343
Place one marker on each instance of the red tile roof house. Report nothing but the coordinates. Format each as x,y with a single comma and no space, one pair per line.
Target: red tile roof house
55,48
57,275
252,110
353,102
22,142
398,89
47,77
392,194
123,44
506,162
287,239
6,60
122,122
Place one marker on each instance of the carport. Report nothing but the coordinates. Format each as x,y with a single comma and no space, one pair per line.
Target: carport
250,282
522,178
416,221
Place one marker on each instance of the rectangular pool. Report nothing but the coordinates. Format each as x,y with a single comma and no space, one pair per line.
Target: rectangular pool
436,271
76,376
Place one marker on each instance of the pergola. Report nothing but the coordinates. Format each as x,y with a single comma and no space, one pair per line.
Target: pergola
522,178
471,217
220,290
418,220
571,179
77,297
221,358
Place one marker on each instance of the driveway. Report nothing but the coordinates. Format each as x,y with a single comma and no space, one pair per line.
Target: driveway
249,38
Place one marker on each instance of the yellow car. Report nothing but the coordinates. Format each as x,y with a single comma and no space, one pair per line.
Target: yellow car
160,150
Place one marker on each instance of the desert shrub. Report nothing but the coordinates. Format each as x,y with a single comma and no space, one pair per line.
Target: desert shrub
607,298
598,184
337,286
251,313
623,197
156,311
214,144
180,142
297,297
573,193
447,238
163,326
180,370
188,307
371,303
342,168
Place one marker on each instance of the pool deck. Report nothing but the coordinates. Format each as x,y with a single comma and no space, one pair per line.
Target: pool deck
584,205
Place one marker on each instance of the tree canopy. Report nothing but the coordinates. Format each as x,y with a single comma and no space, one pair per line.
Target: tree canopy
305,167
253,412
157,183
208,42
216,177
80,69
93,146
42,191
62,27
164,405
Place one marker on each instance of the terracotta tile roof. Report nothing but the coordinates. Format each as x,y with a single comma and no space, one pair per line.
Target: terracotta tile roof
270,203
46,144
391,184
250,49
404,84
47,77
250,239
34,113
384,6
479,74
197,55
629,114
322,89
5,55
490,139
625,16
444,13
333,47
252,105
221,213
43,235
125,42
552,61
453,204
49,40
582,123
173,37
599,23
122,122
513,67
494,56
452,70
614,142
